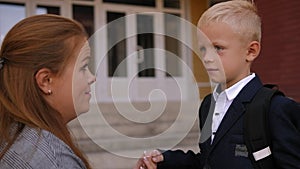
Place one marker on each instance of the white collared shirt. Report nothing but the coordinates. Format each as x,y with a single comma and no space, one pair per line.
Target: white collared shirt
224,100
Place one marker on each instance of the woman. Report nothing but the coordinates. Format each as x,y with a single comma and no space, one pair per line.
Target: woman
44,81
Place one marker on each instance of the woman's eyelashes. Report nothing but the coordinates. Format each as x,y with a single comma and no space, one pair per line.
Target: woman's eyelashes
85,67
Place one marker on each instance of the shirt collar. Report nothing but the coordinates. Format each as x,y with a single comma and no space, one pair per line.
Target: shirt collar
235,89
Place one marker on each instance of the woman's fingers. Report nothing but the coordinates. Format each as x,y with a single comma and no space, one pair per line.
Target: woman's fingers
140,164
149,163
149,160
157,156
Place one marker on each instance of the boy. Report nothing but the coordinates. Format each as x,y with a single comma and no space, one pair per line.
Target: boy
234,30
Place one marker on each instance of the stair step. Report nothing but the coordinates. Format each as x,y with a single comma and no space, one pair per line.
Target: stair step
106,126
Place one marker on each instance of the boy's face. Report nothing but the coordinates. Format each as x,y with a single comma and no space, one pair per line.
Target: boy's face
227,64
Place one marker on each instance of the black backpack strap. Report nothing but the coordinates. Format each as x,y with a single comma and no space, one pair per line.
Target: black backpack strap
256,129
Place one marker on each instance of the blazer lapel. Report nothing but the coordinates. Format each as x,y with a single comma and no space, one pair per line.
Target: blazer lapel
233,114
206,119
237,108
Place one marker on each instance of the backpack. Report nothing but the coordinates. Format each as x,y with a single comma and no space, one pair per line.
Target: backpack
257,137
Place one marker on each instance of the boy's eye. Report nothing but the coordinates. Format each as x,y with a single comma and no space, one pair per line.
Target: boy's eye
202,50
218,48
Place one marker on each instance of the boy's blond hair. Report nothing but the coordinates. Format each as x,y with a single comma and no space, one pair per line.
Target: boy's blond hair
241,15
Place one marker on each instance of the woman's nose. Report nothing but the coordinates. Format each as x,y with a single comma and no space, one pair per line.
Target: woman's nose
92,79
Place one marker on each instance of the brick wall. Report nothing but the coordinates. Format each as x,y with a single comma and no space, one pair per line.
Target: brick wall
279,61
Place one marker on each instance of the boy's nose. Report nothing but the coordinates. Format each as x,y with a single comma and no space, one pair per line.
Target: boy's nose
208,57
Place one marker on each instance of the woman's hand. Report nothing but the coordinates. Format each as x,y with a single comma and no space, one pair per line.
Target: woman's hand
156,156
149,160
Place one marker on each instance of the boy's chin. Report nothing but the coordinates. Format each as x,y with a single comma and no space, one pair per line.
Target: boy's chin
217,80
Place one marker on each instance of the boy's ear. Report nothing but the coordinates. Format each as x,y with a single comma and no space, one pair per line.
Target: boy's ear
253,51
44,79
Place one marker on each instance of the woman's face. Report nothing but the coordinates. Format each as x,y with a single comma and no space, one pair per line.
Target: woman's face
72,90
82,80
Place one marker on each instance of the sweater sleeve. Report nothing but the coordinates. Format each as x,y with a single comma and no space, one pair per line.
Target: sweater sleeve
35,149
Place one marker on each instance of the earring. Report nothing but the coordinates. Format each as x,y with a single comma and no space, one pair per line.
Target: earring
49,91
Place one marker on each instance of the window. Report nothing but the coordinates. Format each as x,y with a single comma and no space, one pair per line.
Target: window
133,2
172,4
116,51
85,15
145,43
47,10
16,12
172,45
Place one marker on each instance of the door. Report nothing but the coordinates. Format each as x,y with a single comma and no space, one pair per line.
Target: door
141,60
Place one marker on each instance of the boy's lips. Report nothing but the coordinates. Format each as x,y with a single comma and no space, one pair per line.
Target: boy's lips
212,69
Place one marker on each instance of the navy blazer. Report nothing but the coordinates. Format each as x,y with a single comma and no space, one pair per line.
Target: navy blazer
228,150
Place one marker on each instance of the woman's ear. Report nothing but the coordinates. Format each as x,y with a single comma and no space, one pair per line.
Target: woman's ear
253,51
44,79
